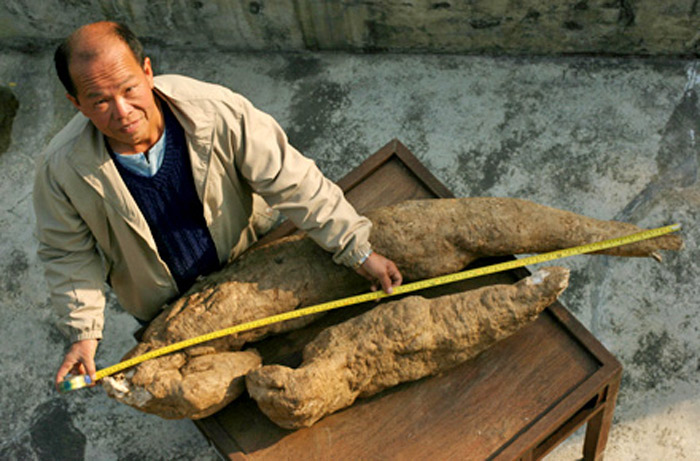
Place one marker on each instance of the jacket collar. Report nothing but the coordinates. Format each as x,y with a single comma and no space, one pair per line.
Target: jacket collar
198,126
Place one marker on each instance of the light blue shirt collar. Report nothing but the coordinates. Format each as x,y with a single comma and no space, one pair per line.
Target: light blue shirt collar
142,165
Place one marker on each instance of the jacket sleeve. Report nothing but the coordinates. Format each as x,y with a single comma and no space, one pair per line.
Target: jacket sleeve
295,186
73,267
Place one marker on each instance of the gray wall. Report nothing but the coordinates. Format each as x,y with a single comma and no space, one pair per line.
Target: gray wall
613,138
667,27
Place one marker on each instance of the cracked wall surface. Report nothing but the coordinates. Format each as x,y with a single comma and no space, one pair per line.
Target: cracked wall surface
612,138
8,110
642,27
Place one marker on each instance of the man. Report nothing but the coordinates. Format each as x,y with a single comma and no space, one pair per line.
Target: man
154,183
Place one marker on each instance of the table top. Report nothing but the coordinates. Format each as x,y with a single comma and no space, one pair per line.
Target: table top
525,391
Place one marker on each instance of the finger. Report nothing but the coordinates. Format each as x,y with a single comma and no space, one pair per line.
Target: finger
89,368
385,281
396,277
63,370
77,369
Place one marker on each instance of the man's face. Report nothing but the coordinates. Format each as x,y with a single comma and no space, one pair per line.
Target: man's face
115,92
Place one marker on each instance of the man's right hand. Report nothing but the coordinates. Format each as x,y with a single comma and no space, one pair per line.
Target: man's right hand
382,272
79,360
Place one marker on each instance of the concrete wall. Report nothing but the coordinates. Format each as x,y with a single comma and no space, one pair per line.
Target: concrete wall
467,26
612,138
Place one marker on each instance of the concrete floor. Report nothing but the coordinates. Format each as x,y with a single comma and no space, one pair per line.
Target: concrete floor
610,138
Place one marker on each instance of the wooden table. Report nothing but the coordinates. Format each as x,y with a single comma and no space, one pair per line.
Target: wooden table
517,400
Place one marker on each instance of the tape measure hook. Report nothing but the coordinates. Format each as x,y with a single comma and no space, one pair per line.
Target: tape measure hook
74,382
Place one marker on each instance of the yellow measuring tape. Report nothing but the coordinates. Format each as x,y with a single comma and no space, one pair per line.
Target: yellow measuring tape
77,382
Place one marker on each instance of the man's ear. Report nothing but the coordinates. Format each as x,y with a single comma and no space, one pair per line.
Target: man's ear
148,70
73,101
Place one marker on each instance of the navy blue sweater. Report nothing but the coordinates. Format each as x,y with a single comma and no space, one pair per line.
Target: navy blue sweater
173,210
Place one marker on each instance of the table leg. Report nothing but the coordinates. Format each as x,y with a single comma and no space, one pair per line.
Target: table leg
599,426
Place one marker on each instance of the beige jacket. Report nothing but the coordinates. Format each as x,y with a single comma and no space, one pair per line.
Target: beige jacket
90,229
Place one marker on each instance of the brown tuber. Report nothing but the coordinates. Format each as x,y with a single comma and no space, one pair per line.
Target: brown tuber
294,272
465,229
397,342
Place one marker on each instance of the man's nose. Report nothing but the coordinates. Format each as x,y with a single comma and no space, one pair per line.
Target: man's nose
122,107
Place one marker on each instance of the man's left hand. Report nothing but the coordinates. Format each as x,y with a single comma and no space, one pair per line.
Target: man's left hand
381,272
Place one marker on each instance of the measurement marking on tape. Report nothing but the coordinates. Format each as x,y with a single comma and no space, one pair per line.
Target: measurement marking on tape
76,383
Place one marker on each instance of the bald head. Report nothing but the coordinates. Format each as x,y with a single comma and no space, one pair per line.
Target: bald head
89,42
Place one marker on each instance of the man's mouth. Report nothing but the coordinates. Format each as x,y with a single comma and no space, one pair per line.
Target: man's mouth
129,127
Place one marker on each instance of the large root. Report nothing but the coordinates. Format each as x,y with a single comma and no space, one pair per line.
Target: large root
425,238
397,342
176,386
